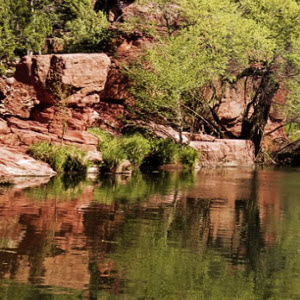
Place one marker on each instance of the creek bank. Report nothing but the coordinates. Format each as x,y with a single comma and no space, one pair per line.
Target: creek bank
56,98
15,163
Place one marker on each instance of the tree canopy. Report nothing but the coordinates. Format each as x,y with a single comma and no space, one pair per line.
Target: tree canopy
210,40
202,41
25,25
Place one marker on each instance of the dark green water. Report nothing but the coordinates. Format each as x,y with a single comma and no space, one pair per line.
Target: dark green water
215,234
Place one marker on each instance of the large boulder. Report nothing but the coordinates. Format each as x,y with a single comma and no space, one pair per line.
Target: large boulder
52,98
77,70
15,163
229,153
61,75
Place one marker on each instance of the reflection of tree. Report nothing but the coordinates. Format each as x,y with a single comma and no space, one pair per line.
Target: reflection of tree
140,187
101,225
158,242
192,221
37,246
251,235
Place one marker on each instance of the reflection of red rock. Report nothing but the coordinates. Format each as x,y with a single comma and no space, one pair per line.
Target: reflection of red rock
65,238
228,193
24,223
222,188
68,270
269,197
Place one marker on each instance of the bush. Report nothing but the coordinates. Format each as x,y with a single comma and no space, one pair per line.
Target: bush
136,147
61,158
163,151
140,150
113,154
115,150
88,32
188,156
104,137
166,151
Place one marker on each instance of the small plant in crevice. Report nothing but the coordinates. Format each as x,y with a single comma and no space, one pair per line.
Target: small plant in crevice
62,159
61,92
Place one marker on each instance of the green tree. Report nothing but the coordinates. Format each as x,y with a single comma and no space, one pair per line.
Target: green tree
215,41
25,25
88,32
169,79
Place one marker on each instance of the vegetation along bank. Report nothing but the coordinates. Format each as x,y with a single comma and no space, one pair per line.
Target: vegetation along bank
128,84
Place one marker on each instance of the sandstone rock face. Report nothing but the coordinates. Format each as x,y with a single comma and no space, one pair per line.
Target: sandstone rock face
58,76
116,86
14,163
233,104
227,153
23,133
52,98
76,70
4,129
17,98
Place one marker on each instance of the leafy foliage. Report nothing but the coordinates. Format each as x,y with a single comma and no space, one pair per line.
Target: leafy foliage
25,25
142,151
136,148
116,150
188,156
88,32
163,151
211,41
61,158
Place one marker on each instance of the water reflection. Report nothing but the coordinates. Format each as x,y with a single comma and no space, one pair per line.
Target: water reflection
207,235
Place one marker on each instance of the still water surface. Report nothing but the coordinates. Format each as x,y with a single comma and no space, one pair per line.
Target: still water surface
215,234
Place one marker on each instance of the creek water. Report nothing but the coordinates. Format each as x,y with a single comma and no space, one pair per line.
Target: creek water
214,234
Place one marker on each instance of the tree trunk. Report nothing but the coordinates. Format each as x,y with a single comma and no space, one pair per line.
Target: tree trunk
253,125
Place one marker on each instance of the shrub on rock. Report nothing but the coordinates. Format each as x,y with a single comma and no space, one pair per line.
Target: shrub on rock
67,159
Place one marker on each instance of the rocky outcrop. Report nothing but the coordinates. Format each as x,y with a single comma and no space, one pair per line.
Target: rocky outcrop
227,153
52,98
55,98
22,133
58,76
14,163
